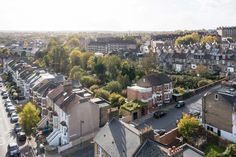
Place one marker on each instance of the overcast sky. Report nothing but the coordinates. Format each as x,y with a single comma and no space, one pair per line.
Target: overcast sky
115,15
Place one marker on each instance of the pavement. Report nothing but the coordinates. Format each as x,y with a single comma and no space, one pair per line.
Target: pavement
7,134
168,122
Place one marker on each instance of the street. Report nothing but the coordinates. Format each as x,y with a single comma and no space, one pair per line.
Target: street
7,134
168,122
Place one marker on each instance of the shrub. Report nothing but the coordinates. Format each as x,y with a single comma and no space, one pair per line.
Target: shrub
116,100
114,87
103,94
93,88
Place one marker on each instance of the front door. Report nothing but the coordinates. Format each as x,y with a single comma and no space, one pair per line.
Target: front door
135,115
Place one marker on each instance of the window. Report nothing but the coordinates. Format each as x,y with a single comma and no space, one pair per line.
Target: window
216,97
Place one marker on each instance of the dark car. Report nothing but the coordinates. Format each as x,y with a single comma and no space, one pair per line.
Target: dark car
13,149
180,104
160,131
159,114
17,128
21,136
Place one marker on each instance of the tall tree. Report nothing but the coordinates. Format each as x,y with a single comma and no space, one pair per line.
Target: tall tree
112,64
76,73
29,118
74,57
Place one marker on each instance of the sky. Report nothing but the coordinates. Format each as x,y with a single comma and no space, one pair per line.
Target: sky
115,15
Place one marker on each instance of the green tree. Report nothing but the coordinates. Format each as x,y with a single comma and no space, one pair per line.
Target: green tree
112,64
76,73
84,57
114,87
204,82
88,81
128,69
58,59
93,88
124,81
29,118
188,126
116,100
74,57
149,63
102,93
188,39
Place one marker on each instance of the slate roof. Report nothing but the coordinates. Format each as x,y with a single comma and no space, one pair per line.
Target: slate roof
180,55
153,80
56,92
151,148
117,140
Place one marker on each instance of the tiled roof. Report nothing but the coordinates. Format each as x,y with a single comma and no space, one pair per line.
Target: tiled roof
151,148
153,80
55,92
117,140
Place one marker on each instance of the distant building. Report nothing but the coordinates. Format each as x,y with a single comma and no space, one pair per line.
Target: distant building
219,113
153,89
105,46
227,32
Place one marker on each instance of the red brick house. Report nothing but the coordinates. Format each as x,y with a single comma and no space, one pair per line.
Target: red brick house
154,89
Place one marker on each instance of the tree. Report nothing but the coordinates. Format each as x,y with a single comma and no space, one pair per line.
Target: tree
188,126
208,39
116,100
114,86
76,73
74,57
124,81
179,90
128,69
88,81
102,93
201,69
148,63
100,71
29,118
93,88
58,59
188,39
112,64
84,57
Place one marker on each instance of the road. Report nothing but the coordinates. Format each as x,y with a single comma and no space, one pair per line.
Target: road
168,122
6,133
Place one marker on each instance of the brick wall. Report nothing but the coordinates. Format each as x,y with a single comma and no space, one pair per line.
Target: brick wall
217,113
167,138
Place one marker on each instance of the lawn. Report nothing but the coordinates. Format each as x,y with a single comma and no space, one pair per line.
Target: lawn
213,150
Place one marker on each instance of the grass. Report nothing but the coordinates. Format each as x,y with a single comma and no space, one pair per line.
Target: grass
213,150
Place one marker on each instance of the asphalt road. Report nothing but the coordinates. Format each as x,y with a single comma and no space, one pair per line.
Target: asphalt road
168,122
6,134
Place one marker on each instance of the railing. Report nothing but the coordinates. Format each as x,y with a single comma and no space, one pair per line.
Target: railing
50,140
55,131
42,122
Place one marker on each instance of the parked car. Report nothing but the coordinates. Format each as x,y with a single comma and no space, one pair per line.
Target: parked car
8,106
0,85
14,117
13,149
5,96
180,104
3,91
159,114
8,101
17,127
21,136
195,113
160,131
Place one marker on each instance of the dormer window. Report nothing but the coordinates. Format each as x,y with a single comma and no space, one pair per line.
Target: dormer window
216,97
